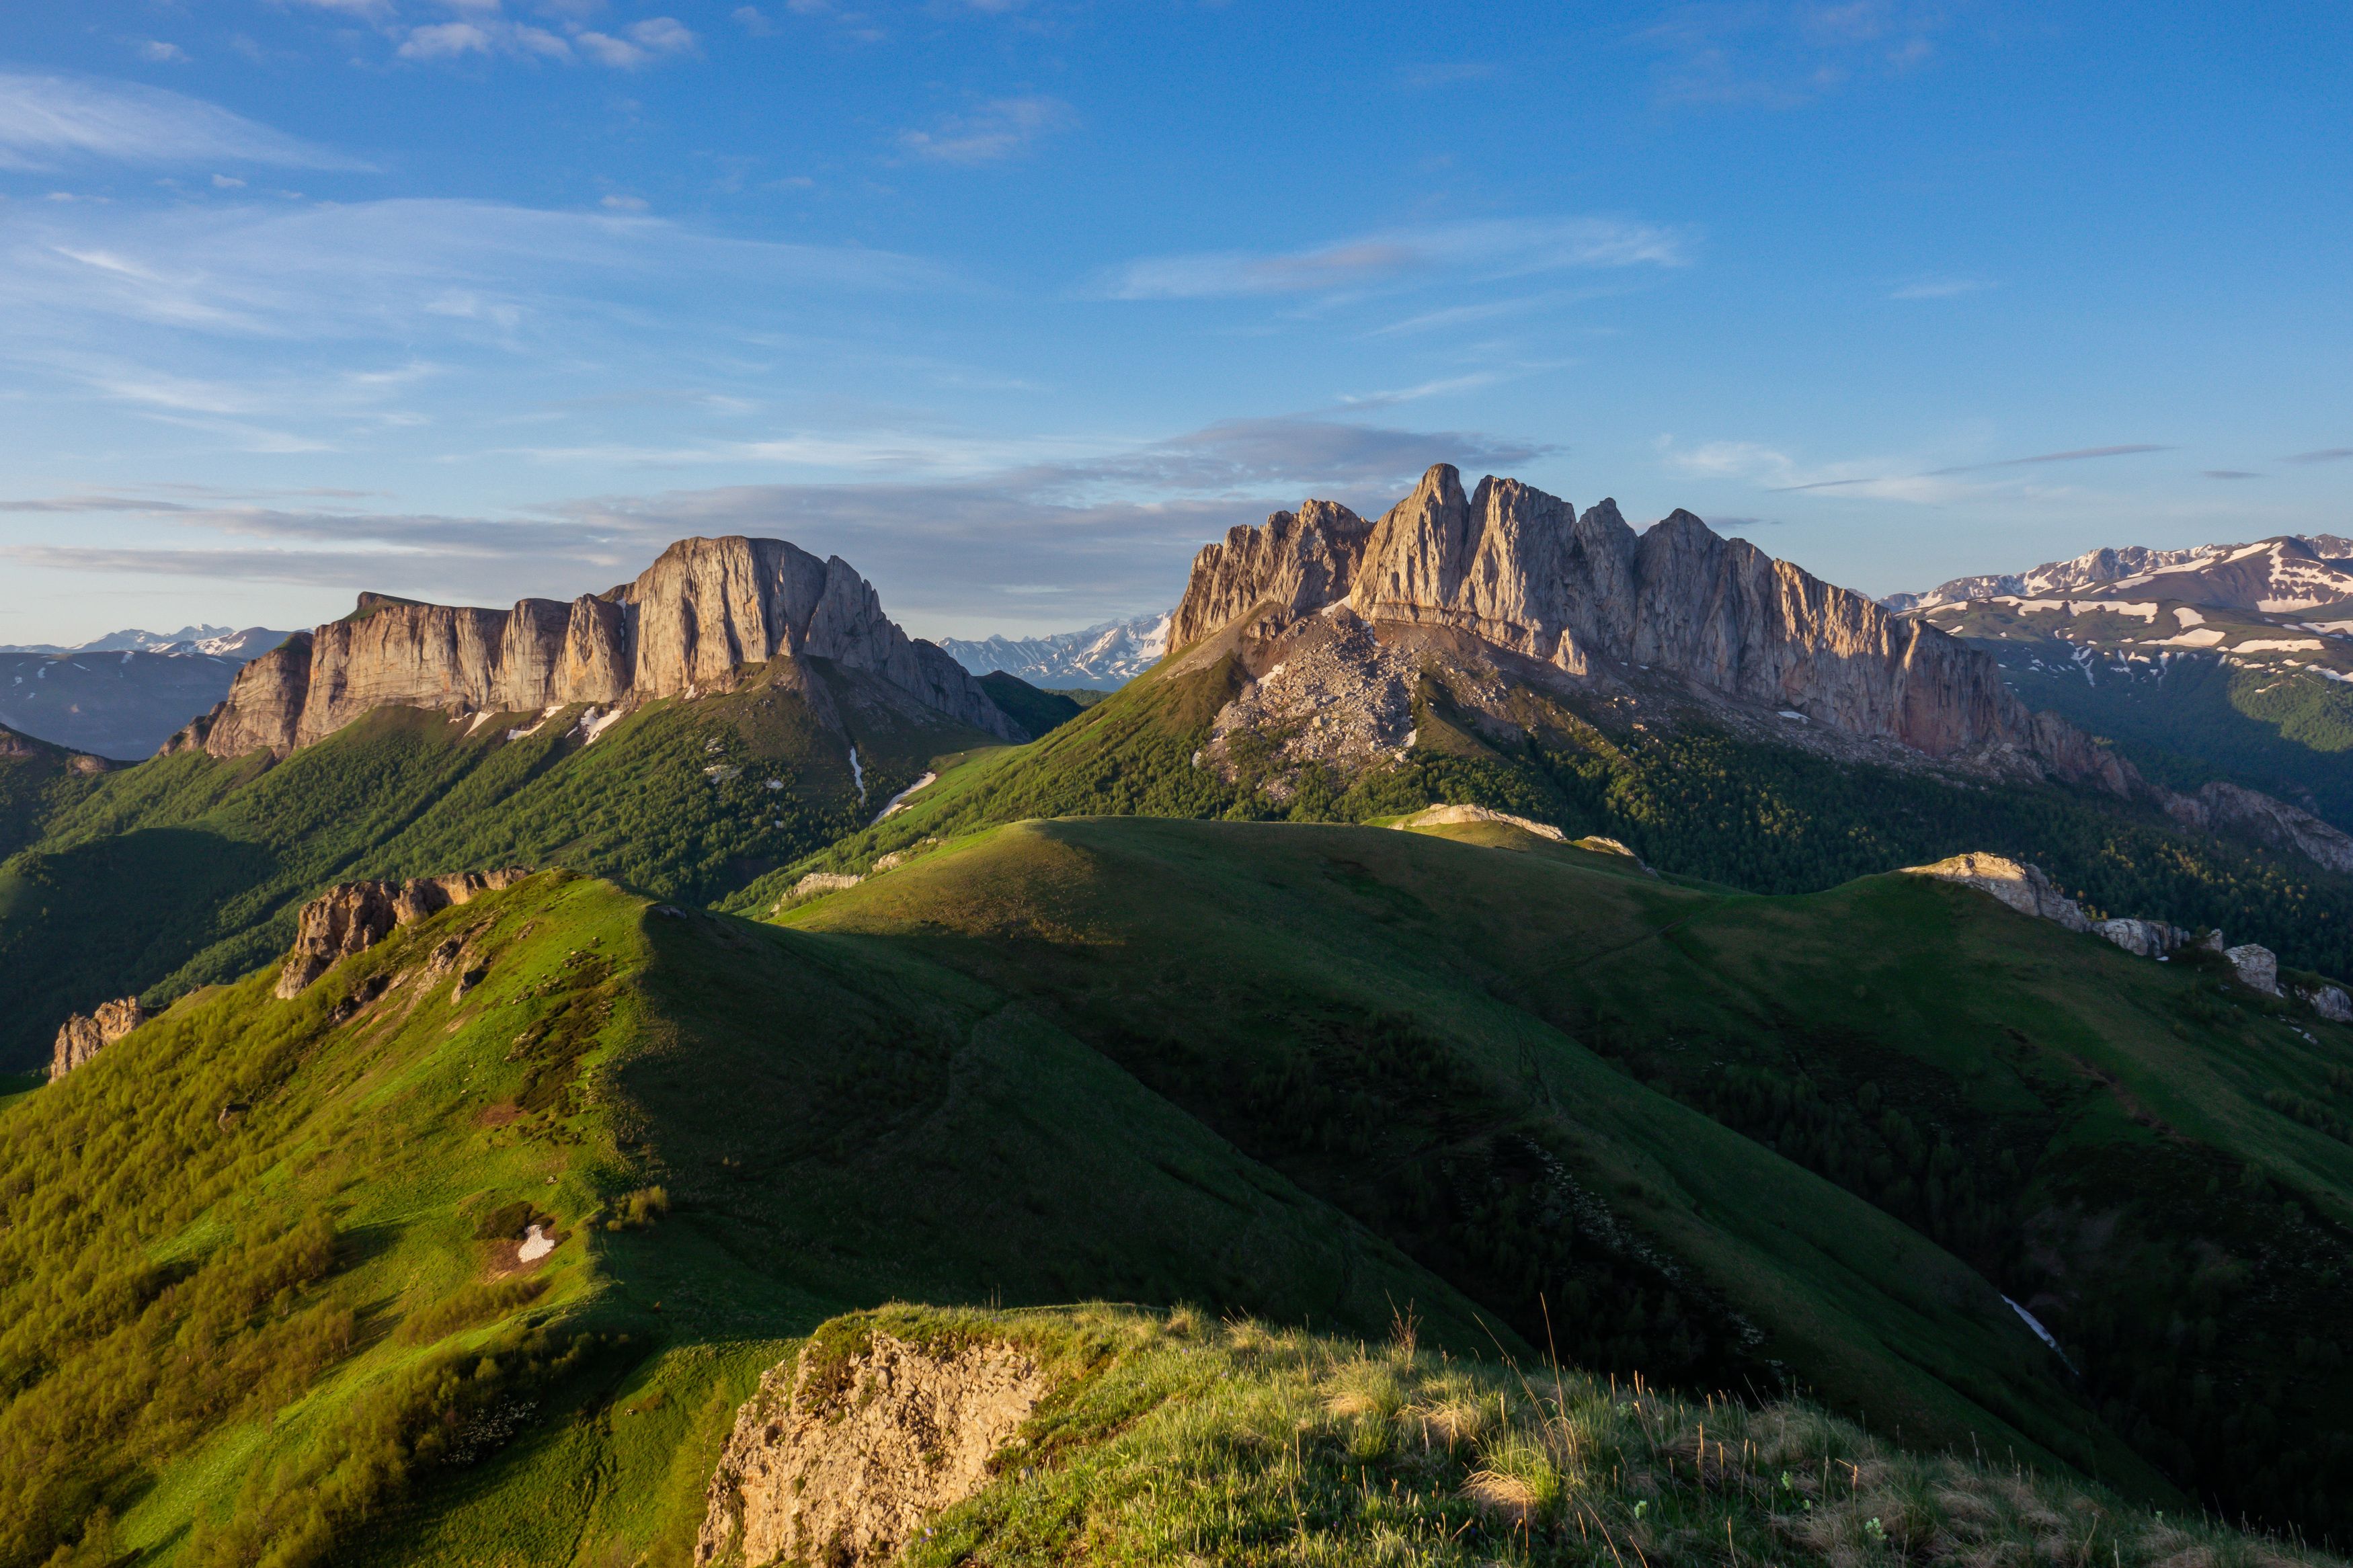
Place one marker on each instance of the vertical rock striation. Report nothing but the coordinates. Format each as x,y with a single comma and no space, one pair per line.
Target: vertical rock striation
1586,594
702,611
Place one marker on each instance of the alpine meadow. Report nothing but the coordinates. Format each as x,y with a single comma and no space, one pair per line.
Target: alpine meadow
964,860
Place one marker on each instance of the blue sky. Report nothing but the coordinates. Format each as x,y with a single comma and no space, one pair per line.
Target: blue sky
1016,303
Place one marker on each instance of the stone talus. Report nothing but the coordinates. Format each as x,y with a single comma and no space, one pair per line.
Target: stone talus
353,917
703,609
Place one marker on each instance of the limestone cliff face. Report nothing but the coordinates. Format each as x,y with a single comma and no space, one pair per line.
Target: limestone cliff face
706,608
84,1035
1525,570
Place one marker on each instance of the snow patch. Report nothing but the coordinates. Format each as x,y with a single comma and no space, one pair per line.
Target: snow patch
536,1244
2279,645
898,801
592,724
858,772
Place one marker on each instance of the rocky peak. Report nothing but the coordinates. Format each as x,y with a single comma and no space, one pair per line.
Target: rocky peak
704,609
1524,571
84,1035
351,917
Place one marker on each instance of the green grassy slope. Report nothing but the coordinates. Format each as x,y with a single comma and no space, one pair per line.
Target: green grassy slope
1701,803
1035,710
258,1262
1436,1036
1183,1440
187,869
38,781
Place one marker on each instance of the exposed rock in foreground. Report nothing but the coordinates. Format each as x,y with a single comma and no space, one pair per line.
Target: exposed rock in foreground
353,917
84,1035
840,1461
702,611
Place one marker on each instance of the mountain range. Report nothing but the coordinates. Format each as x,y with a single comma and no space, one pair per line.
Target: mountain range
1102,658
123,695
492,1050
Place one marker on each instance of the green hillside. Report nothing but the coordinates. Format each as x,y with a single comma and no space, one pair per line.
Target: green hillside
258,1262
187,869
260,1266
2148,1155
1693,800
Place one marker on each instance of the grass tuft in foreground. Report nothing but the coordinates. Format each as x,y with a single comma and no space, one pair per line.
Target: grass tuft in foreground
1189,1440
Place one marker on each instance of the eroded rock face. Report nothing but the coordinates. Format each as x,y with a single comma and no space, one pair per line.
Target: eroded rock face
353,917
2233,808
84,1035
2023,887
702,611
842,1464
1524,571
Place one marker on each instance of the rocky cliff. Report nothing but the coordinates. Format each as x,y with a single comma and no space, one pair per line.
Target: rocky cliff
84,1035
353,917
702,610
1585,594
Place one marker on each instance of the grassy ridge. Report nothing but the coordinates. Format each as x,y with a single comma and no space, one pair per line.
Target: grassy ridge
1697,801
2100,1136
259,1265
1178,1439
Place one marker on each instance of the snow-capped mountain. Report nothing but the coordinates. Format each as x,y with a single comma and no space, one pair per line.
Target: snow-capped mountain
2278,575
1102,657
220,641
122,694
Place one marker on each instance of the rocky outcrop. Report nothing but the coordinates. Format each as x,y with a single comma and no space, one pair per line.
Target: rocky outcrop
2143,939
2023,887
2220,807
2257,966
2329,1001
704,609
1525,570
1447,815
85,1035
353,917
841,1463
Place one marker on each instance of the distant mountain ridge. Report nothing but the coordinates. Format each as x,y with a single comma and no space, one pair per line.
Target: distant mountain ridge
123,695
2290,572
199,639
705,610
1105,656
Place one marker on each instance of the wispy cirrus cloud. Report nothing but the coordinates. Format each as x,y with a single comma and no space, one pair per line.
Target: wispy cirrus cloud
1938,288
2326,455
1032,545
1767,53
1490,250
632,47
1876,479
1000,129
47,122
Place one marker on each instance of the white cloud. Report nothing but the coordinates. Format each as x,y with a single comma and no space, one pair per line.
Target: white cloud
227,183
751,19
162,53
1938,288
1491,249
621,203
445,40
641,42
47,120
998,130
